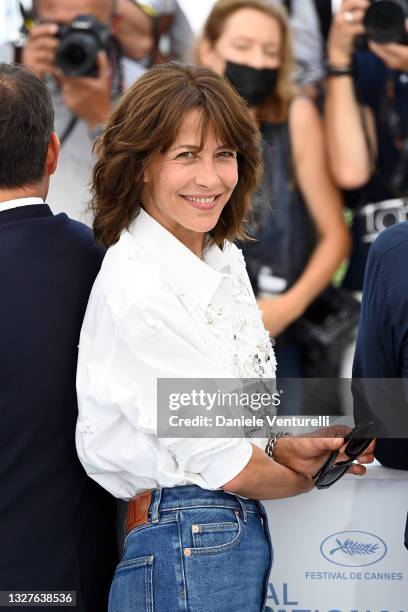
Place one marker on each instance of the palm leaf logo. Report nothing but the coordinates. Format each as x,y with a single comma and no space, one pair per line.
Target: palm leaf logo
354,548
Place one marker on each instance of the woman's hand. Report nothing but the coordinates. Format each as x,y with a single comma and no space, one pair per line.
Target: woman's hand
306,455
278,313
346,25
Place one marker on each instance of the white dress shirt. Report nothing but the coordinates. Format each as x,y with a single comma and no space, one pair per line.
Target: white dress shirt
18,202
158,311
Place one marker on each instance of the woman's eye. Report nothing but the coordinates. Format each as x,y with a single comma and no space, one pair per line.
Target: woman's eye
186,155
273,54
228,154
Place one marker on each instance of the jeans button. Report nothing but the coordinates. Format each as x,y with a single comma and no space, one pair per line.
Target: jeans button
187,552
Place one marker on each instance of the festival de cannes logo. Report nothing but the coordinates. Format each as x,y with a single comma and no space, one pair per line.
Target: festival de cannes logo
353,548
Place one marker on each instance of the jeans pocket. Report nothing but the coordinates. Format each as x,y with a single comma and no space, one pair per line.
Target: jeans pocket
132,586
220,536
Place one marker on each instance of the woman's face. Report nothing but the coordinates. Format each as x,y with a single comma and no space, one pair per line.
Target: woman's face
186,189
249,37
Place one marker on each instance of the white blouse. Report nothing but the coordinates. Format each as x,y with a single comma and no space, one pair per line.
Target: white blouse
158,311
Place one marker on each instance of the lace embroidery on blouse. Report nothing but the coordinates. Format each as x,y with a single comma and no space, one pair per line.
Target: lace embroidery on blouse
248,350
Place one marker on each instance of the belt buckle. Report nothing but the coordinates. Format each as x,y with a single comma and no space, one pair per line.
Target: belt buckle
138,510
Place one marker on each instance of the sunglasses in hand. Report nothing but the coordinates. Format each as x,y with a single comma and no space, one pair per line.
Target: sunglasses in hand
357,443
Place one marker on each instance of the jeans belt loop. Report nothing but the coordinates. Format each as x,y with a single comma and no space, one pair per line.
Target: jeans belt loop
154,507
243,507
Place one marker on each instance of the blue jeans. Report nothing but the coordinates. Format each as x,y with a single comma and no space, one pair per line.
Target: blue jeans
201,551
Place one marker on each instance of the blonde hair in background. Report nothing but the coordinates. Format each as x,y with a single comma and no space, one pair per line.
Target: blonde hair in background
276,106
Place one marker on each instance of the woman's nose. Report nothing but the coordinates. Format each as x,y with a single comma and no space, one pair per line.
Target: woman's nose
207,174
256,59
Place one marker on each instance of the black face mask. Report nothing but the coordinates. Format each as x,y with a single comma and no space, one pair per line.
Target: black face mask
252,84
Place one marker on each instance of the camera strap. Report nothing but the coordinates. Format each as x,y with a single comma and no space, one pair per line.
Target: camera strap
69,129
117,72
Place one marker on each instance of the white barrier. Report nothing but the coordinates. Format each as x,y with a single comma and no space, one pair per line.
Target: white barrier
341,550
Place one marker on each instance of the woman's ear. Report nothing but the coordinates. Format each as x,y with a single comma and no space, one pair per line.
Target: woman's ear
201,51
207,57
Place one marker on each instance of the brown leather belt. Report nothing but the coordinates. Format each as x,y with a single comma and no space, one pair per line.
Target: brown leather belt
138,510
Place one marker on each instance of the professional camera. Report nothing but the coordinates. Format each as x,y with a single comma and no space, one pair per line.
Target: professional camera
80,44
385,21
378,216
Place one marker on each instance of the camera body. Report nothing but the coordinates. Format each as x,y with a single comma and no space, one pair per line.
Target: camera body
375,218
384,21
80,43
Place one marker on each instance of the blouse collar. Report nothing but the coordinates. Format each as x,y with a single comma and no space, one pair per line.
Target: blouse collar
185,272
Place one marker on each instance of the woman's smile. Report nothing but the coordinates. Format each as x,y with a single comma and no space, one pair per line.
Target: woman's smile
202,202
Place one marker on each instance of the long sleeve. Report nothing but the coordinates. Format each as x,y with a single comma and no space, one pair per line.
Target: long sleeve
119,363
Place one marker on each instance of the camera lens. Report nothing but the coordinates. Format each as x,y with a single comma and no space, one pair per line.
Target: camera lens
385,21
77,54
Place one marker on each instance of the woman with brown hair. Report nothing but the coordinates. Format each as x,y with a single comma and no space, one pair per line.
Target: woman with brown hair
301,236
178,164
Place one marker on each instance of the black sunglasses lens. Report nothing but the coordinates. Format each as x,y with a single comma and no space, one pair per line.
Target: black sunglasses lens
332,475
357,446
327,464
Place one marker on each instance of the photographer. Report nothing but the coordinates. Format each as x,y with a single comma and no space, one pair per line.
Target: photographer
83,82
366,125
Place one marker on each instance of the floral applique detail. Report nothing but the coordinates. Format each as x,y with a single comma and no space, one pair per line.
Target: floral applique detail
237,337
87,426
153,326
241,291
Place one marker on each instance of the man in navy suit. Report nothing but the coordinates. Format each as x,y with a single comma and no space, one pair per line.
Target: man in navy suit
382,347
57,527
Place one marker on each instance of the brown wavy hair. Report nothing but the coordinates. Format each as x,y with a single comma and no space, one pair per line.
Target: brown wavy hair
146,124
275,108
